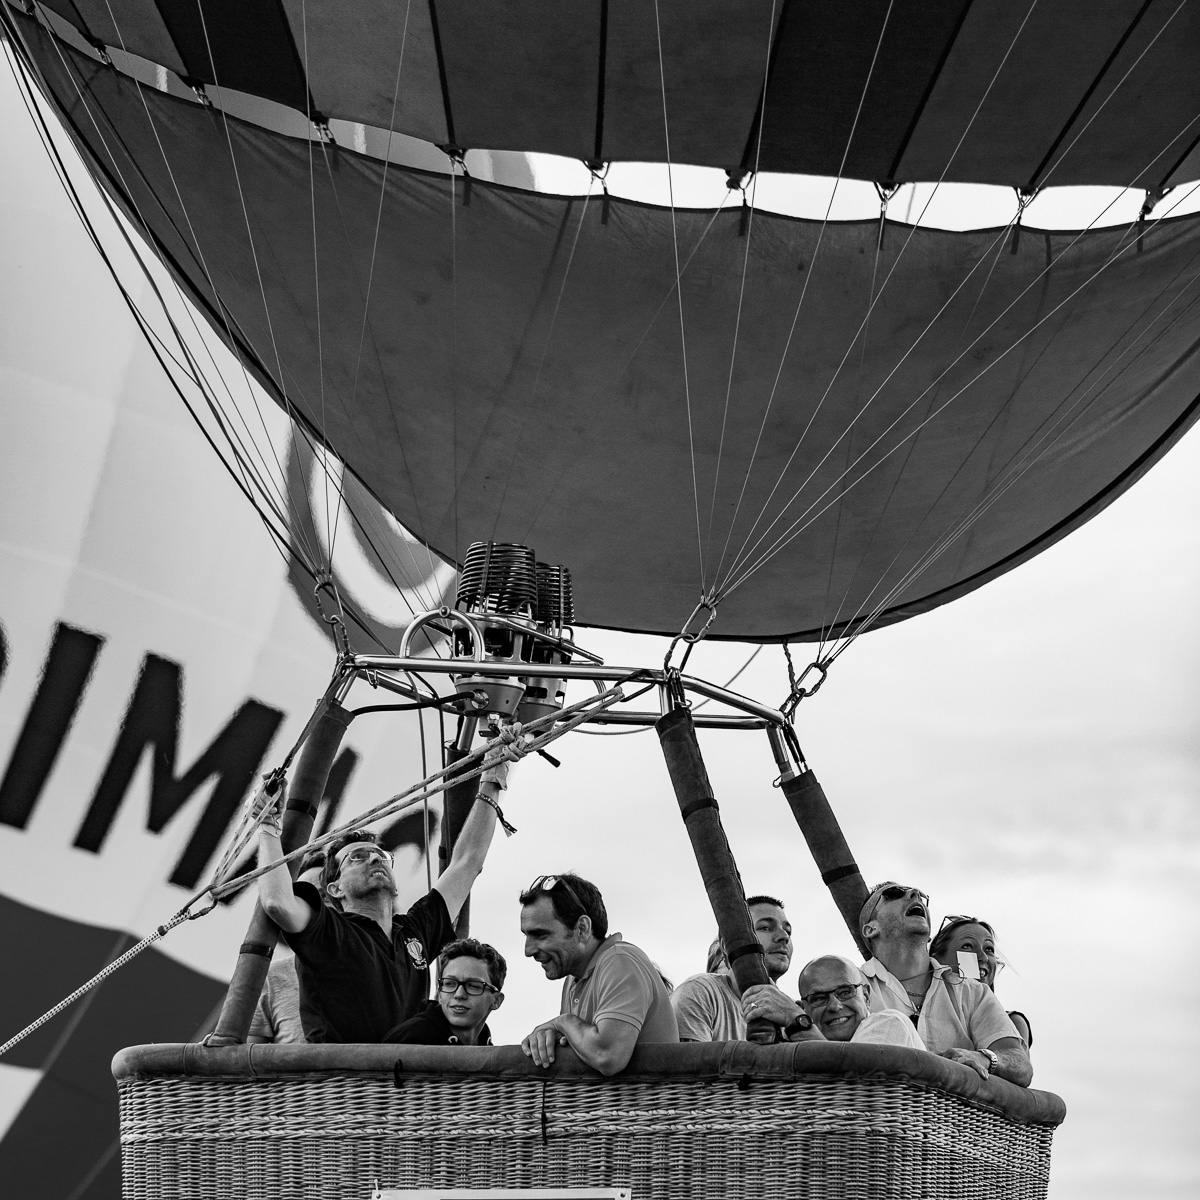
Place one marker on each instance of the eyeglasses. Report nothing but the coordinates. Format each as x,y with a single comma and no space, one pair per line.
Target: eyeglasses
889,891
547,883
363,854
845,994
473,987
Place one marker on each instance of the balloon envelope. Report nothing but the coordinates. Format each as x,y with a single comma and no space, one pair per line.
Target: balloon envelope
825,423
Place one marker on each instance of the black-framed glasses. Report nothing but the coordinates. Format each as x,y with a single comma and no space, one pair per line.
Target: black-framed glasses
547,883
845,994
473,987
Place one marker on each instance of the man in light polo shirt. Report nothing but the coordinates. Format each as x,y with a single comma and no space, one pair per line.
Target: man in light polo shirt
613,996
708,1007
956,1017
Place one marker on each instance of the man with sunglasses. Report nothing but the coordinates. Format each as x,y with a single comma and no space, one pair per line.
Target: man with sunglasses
956,1017
613,996
365,969
470,976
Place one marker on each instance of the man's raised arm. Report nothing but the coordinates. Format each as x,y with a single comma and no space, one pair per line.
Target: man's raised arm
475,837
275,893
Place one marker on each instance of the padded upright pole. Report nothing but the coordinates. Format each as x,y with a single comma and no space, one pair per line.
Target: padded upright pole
304,798
839,871
457,802
702,819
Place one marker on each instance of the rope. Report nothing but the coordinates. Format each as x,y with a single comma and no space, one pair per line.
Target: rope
742,552
737,323
514,742
687,391
184,914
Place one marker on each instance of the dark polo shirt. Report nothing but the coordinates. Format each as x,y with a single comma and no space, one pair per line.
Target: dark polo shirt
430,1028
356,983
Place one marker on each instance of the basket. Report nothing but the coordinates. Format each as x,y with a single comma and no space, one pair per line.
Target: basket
720,1121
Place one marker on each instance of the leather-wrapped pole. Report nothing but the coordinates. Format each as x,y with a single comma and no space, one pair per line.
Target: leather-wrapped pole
304,798
839,871
702,818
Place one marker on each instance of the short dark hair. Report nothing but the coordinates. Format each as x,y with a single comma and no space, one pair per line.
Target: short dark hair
470,948
332,868
572,897
751,901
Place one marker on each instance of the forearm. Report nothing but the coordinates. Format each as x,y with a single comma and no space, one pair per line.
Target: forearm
607,1049
275,892
475,837
470,850
1014,1065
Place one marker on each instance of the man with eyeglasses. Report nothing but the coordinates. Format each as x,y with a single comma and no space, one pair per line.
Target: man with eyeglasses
470,976
834,993
365,969
613,996
956,1017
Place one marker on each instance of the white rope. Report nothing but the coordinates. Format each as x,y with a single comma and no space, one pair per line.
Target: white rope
737,323
182,915
804,520
720,587
687,391
505,748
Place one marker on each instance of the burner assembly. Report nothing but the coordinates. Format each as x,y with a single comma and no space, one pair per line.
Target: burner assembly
513,609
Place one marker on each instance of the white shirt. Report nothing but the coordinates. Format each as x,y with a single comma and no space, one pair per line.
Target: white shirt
888,1028
957,1012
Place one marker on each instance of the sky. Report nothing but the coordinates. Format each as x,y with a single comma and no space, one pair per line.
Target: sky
1029,754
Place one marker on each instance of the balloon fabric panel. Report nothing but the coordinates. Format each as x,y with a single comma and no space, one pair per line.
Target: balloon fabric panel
986,92
988,405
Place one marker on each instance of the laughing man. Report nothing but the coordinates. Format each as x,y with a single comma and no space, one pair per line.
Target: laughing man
613,996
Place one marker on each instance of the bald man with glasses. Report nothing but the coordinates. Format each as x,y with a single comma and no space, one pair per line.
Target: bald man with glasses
958,1018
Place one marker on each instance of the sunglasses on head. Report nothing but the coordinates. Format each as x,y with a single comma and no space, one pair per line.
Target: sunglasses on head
547,883
950,920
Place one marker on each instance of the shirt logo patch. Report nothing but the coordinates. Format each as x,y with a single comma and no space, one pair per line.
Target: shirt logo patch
417,953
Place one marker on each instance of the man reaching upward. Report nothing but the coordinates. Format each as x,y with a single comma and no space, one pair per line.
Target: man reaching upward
365,969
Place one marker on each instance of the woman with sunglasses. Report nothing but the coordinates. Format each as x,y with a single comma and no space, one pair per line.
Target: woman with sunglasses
960,934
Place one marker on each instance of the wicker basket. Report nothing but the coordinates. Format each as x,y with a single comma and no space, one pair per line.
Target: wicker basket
683,1122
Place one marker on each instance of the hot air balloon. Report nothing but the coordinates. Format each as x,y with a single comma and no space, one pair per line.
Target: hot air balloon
729,423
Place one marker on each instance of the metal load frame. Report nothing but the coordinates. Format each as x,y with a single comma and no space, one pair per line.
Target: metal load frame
676,726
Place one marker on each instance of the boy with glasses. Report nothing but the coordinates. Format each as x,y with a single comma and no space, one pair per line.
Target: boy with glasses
613,996
956,1017
470,976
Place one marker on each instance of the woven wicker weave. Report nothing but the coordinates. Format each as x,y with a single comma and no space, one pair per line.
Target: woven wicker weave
683,1122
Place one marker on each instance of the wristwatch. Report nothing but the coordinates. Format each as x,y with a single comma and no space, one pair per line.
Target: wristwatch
798,1025
993,1059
